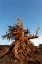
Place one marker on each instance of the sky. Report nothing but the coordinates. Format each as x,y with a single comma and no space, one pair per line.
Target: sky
30,11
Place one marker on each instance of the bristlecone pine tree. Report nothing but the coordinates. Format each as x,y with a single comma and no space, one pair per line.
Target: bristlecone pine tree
21,47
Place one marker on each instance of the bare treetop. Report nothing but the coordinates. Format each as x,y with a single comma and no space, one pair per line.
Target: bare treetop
20,24
17,32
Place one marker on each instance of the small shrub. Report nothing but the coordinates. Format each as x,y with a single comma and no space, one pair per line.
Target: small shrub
40,46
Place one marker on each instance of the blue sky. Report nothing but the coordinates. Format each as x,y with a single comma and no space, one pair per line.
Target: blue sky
29,10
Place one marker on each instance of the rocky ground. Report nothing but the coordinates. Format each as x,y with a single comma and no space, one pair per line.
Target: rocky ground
10,59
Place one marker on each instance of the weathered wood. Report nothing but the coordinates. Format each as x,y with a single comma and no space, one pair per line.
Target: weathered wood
22,47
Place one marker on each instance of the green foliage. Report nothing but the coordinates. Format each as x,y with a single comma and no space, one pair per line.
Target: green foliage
40,46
